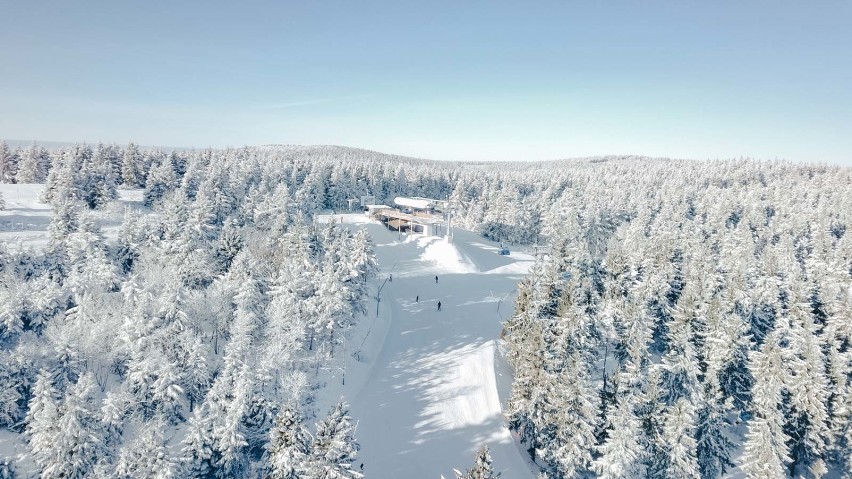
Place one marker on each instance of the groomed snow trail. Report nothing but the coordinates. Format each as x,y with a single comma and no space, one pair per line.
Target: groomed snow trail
429,397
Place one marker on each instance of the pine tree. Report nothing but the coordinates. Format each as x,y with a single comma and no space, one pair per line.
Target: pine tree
679,433
12,386
118,405
334,449
60,186
160,180
807,418
199,456
623,454
230,431
285,329
33,166
289,446
132,171
766,451
78,442
42,421
8,163
570,340
713,444
482,468
8,469
146,457
90,269
98,179
229,245
12,307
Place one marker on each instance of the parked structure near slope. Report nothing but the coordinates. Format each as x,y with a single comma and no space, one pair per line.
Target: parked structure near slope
419,215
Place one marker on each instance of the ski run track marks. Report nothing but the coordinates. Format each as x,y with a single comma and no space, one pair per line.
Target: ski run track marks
428,389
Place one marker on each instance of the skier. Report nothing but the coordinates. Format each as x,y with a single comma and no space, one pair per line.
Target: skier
417,299
436,279
439,305
390,278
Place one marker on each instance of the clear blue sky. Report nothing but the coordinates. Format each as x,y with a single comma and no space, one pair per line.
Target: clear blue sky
444,80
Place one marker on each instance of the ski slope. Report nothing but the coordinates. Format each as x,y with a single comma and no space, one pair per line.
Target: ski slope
428,396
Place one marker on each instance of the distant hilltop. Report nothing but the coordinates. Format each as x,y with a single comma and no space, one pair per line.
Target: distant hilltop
339,149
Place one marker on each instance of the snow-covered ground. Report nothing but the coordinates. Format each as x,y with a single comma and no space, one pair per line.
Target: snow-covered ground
426,386
25,219
429,396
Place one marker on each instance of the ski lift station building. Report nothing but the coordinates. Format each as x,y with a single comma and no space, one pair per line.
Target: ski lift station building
410,214
418,204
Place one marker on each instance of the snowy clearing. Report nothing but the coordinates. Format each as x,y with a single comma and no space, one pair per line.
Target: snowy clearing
25,219
429,398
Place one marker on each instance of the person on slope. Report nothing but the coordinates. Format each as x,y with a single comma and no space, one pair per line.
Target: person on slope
436,279
439,305
417,299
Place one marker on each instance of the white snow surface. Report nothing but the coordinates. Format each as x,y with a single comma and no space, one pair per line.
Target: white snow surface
445,254
428,392
428,388
25,219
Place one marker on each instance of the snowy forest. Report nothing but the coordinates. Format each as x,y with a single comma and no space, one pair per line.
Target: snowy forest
694,319
684,319
210,315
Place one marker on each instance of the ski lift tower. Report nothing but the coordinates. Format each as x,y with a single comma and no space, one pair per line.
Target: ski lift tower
446,207
449,235
541,250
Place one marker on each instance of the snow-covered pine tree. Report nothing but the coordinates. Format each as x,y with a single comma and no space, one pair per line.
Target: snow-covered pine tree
33,166
289,446
199,457
60,186
161,179
14,384
42,421
713,442
90,269
623,454
96,178
132,170
334,449
679,434
285,329
571,343
525,351
146,457
117,406
8,469
8,163
766,451
78,441
482,467
807,414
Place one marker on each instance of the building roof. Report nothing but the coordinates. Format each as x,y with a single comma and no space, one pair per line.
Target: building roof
420,204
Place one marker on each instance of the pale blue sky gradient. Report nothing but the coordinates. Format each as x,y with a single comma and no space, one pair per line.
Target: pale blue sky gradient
443,80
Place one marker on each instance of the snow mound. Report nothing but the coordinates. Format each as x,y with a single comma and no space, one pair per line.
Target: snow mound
447,256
